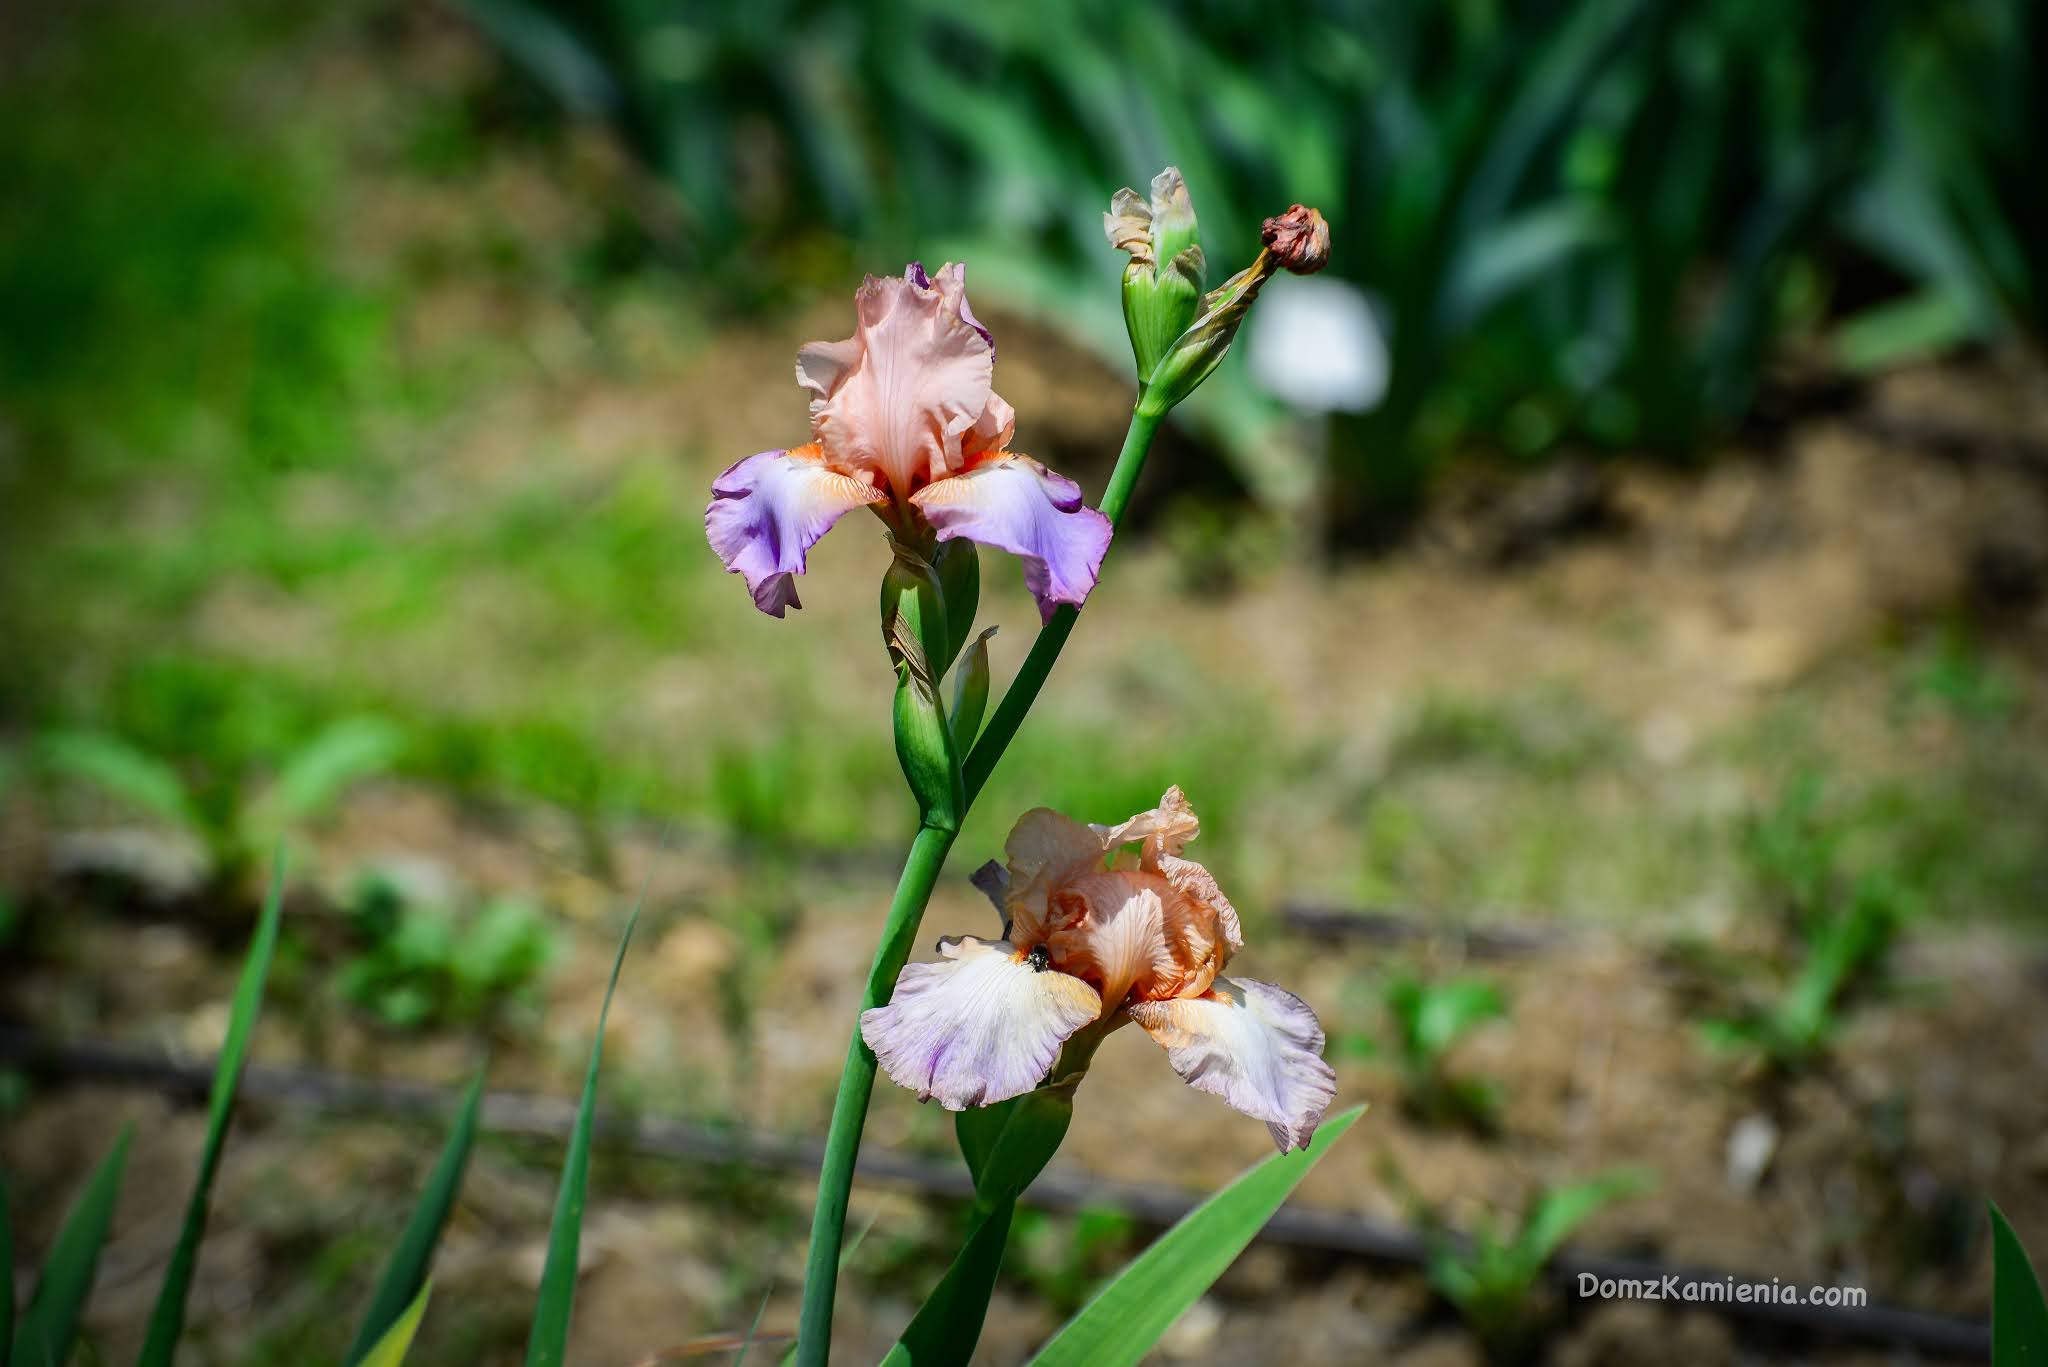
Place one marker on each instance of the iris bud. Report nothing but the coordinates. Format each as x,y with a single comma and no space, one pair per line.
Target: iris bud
914,630
1163,280
1296,241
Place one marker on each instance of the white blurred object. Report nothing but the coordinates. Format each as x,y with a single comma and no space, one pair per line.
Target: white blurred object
1751,1145
1316,345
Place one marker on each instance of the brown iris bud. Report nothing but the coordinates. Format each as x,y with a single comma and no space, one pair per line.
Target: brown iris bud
1299,240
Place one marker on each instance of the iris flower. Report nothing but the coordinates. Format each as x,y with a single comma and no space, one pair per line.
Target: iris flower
1095,938
905,420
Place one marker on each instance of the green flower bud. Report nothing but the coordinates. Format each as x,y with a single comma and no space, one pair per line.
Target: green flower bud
958,565
1297,241
1163,281
915,632
970,693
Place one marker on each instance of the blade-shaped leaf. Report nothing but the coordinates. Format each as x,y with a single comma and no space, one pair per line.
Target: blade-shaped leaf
1561,1211
391,1347
6,1278
51,1320
167,1322
2019,1317
315,776
549,1339
1130,1314
405,1276
121,771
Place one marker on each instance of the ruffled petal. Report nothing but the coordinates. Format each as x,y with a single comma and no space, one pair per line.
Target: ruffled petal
1045,849
1015,504
1166,829
981,1026
897,397
1256,1046
1195,899
769,509
1110,928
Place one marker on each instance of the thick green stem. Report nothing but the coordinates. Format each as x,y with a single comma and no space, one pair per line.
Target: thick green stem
914,889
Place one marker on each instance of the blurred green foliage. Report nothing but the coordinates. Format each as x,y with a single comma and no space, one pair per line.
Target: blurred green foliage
232,823
1494,1276
1586,223
1428,1018
422,965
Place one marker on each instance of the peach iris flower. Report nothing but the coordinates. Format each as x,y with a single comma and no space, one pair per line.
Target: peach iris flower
905,419
1091,936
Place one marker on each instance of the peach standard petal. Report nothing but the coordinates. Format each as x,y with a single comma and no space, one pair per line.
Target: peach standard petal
899,396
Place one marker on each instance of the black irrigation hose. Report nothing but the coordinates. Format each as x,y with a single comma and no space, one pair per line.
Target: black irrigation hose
551,1118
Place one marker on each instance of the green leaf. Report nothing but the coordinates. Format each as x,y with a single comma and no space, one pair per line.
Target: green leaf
6,1279
1920,325
390,1349
167,1323
1130,1314
122,771
978,1128
50,1323
1561,1211
970,695
549,1339
405,1276
2019,1317
947,1326
322,769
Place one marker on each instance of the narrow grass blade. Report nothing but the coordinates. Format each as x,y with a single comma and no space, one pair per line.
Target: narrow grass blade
549,1339
747,1343
167,1323
391,1347
51,1320
2019,1317
6,1279
406,1273
1130,1314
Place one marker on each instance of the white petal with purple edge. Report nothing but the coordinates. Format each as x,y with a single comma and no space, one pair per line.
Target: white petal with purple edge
1015,504
1256,1046
768,510
979,1027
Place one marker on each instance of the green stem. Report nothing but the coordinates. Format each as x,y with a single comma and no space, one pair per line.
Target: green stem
1052,637
856,1083
906,910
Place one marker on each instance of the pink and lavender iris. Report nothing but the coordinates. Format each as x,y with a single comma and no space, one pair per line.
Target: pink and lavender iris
905,419
1092,935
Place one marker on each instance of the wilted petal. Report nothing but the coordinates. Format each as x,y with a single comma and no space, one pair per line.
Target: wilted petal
979,1027
898,396
1015,504
769,509
1195,904
1254,1045
1166,829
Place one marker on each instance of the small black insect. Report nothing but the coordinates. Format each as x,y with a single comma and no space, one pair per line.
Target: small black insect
1038,958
